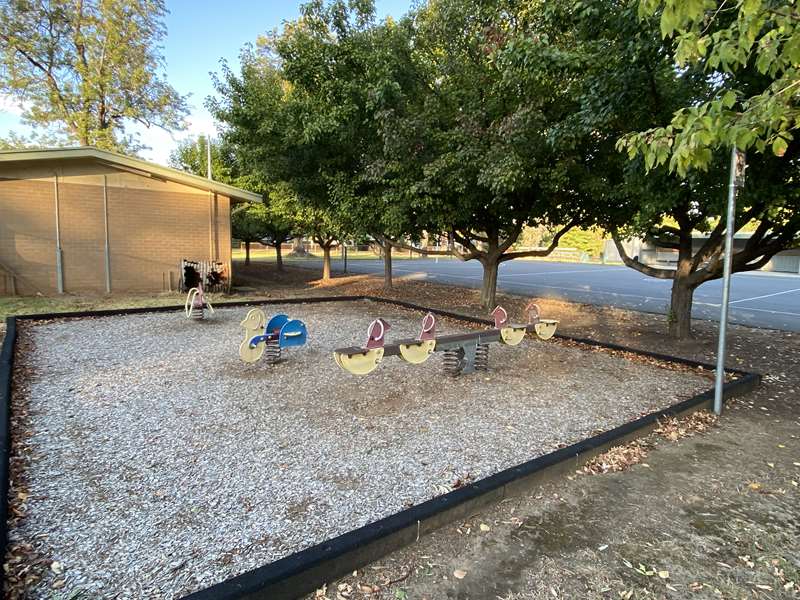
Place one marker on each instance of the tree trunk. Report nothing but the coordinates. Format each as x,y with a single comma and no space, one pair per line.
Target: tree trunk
297,247
680,306
278,257
489,287
680,309
247,253
326,263
387,266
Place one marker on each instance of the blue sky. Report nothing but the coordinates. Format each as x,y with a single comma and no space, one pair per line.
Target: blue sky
199,34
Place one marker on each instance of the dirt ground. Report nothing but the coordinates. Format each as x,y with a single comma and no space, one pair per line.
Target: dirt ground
712,515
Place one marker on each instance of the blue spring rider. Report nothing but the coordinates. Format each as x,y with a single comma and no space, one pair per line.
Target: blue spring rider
268,340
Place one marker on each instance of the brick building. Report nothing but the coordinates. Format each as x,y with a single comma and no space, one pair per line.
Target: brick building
86,220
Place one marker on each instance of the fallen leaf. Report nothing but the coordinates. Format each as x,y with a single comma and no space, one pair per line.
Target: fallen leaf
459,574
485,527
663,574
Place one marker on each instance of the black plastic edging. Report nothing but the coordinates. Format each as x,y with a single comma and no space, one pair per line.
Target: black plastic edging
308,569
289,577
6,378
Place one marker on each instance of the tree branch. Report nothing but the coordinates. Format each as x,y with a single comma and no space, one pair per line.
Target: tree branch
464,240
509,241
48,73
403,246
635,264
553,245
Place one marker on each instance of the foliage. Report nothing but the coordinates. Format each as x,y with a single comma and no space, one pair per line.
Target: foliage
191,155
751,50
283,212
477,120
589,241
249,221
14,141
631,84
88,69
433,124
479,149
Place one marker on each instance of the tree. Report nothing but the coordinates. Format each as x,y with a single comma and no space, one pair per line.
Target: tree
740,67
283,210
475,152
324,228
263,117
630,84
88,68
250,222
344,69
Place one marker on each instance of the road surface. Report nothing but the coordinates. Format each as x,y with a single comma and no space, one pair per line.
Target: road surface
757,299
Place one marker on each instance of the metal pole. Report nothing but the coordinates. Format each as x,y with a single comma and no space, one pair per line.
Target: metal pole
344,249
208,156
105,223
59,254
736,165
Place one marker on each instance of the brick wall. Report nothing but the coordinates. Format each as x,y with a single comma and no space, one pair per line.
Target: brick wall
27,235
152,225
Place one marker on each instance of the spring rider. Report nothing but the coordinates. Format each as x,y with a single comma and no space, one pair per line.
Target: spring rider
266,339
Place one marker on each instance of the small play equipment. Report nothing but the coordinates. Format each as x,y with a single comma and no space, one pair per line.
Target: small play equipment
365,360
419,351
509,334
196,304
462,352
264,338
544,328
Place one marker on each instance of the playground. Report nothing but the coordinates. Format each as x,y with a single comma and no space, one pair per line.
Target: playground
156,462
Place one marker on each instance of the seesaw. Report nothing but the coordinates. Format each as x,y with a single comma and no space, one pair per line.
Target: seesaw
268,338
462,352
196,304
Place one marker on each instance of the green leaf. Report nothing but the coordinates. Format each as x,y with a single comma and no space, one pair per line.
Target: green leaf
729,99
779,146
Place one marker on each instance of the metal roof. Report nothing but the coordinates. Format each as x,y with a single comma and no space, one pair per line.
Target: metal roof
127,163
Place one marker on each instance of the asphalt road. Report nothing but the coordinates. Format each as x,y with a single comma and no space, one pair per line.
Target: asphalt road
757,299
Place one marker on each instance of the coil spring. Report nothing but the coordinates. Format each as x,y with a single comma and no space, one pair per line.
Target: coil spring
272,351
482,357
196,313
453,361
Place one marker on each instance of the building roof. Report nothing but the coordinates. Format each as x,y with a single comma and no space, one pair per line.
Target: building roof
127,163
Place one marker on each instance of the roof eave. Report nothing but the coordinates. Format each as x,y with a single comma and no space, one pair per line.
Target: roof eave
113,159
